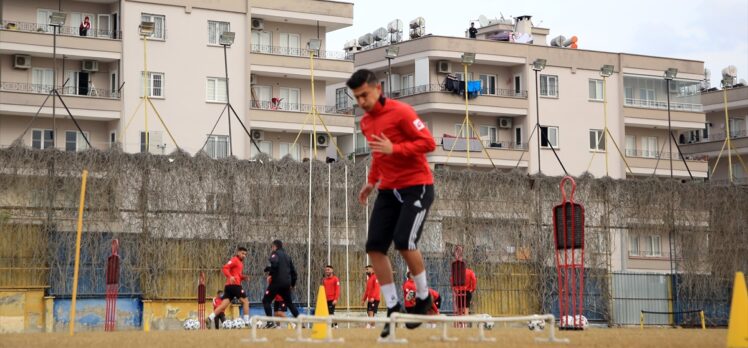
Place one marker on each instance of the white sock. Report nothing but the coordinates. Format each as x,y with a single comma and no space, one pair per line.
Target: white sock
246,318
390,294
422,289
212,316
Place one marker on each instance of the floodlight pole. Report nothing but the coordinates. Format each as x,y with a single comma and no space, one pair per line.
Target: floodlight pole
54,87
228,100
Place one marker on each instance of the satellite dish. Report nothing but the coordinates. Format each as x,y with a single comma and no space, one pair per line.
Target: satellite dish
483,21
395,26
379,34
396,37
730,71
418,22
365,40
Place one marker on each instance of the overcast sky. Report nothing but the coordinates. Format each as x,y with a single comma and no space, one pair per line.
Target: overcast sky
715,31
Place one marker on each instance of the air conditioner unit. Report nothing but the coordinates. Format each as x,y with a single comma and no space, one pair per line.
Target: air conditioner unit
252,79
89,65
21,61
258,135
444,67
505,122
258,24
323,140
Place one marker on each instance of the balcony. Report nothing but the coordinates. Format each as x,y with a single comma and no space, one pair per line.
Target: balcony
331,66
504,154
644,162
435,97
25,99
330,15
31,38
712,145
292,117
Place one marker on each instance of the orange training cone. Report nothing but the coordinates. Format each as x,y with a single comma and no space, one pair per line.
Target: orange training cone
737,332
319,330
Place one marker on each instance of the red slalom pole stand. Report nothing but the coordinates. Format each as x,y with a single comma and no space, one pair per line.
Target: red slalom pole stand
458,284
201,301
568,235
112,287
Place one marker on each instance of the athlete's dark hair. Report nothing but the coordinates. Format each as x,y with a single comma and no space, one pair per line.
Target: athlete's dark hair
369,266
278,244
360,77
241,248
329,266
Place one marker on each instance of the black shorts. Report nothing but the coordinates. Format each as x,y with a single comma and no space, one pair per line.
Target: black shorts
438,302
279,306
330,308
398,216
372,306
468,299
231,292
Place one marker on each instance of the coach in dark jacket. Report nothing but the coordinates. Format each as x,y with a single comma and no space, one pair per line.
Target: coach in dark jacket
283,275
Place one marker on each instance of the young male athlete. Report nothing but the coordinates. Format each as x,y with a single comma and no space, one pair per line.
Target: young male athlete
233,288
399,141
332,290
372,295
283,274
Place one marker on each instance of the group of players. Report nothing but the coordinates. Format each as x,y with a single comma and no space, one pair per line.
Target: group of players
399,172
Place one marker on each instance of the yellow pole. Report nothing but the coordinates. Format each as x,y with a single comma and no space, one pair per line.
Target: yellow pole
727,134
605,117
641,320
467,115
145,93
78,250
703,322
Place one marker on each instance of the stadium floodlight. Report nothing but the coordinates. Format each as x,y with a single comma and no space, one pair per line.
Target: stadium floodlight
468,58
227,38
57,19
606,70
538,64
671,73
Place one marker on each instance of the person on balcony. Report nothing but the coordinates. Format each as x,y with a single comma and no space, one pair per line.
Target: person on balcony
84,27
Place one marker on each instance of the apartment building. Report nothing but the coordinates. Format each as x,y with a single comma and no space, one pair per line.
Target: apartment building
709,141
101,75
570,105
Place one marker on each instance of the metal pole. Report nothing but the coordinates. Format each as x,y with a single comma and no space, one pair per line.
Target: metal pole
347,242
54,86
537,117
309,238
329,213
605,117
389,77
669,129
228,100
78,250
467,115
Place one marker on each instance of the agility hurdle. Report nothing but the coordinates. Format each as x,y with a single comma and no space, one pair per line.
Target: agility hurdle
404,318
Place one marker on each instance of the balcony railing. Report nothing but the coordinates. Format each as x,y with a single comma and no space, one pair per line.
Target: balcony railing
65,91
406,92
301,108
65,31
301,52
636,153
475,144
662,105
719,137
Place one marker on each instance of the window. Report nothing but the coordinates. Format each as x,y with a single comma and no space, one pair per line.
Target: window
261,97
464,133
461,77
705,131
154,142
737,127
155,84
633,245
215,29
518,136
76,18
341,99
74,141
42,20
630,146
290,44
112,138
113,84
517,85
262,41
159,32
290,99
407,84
487,135
265,146
596,89
289,149
628,95
217,146
654,247
597,140
216,90
549,85
488,84
42,138
78,83
649,147
549,136
738,172
41,80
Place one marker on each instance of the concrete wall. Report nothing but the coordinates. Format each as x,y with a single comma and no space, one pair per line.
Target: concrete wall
22,310
90,314
11,127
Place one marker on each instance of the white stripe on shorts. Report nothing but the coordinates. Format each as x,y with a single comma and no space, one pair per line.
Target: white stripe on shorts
414,230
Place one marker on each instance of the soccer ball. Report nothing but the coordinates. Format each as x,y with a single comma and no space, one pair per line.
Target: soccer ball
191,324
536,325
227,325
239,324
259,324
489,324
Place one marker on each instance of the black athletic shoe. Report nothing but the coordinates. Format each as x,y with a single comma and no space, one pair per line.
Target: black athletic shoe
270,325
386,329
208,323
421,308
